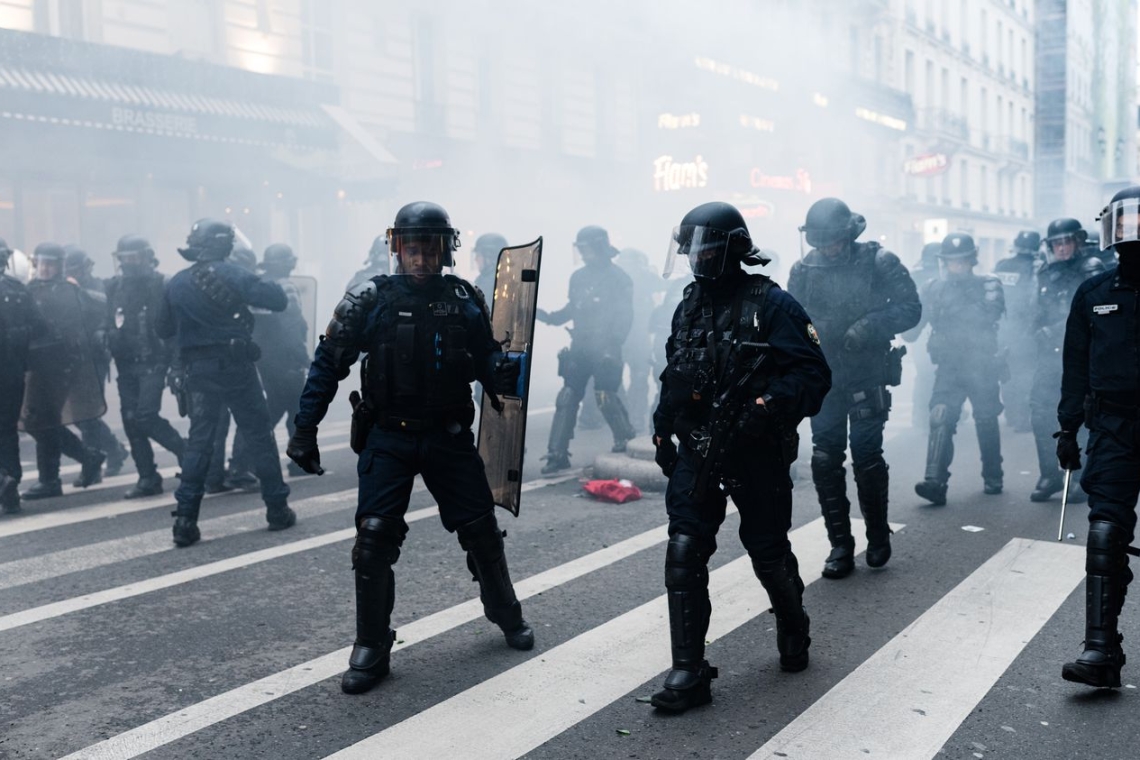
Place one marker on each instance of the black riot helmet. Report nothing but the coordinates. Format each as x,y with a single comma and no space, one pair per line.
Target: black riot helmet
1120,223
715,240
957,247
77,264
5,254
1027,241
830,222
378,252
421,240
244,257
209,240
487,248
48,258
278,260
134,256
1064,239
928,259
593,244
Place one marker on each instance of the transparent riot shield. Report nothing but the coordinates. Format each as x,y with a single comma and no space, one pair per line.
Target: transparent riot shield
502,434
62,383
307,295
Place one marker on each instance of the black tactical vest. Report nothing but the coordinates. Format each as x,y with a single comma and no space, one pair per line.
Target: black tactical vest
134,303
15,331
419,364
837,296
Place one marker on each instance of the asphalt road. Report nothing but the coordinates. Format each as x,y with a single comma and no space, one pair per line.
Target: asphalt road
114,644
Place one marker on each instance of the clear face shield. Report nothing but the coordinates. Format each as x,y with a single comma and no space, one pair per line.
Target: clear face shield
831,242
420,254
955,267
1062,248
704,251
1120,223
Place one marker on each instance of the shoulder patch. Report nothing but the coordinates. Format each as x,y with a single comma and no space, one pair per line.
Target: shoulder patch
812,333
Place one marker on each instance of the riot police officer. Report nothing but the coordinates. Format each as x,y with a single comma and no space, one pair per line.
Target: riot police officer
427,336
1018,275
1065,269
923,272
963,310
486,253
859,297
134,300
601,307
284,341
740,340
1100,386
375,264
19,320
206,307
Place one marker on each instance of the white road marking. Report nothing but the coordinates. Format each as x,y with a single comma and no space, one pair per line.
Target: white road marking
563,686
28,522
177,725
928,679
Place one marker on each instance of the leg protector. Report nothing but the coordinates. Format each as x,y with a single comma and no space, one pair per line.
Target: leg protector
487,560
939,455
1106,583
873,484
781,579
687,586
989,444
9,494
562,430
615,415
186,525
831,486
377,548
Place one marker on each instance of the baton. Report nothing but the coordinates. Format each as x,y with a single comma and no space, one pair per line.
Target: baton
1064,503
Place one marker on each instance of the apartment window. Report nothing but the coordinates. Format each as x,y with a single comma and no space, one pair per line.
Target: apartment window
964,98
908,73
984,115
944,94
983,31
964,25
998,114
928,96
964,182
1000,58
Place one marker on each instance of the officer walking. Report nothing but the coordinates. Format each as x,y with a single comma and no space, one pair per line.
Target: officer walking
19,320
1065,269
134,301
1018,275
925,271
1100,386
427,337
207,309
859,297
963,310
284,341
486,251
601,307
740,340
63,385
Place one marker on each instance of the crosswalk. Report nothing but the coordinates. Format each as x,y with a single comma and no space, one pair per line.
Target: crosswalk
591,570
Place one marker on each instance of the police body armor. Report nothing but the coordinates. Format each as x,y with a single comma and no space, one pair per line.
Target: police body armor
1056,284
962,326
838,295
418,369
592,294
1019,286
698,365
134,303
284,336
15,332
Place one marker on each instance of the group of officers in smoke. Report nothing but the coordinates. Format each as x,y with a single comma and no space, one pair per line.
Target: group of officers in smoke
745,364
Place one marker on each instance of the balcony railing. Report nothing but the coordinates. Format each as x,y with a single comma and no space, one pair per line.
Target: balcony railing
944,122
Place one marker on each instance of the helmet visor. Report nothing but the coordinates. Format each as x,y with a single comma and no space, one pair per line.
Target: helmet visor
704,248
1062,247
1120,222
420,254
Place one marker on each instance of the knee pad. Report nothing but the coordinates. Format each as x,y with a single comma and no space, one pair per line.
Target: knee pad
377,546
938,415
567,398
686,563
1107,549
824,462
481,537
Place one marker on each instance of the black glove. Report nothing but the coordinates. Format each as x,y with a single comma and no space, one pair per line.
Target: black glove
506,376
857,336
1068,452
666,456
754,420
302,449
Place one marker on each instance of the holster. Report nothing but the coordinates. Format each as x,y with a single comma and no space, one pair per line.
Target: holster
894,365
363,418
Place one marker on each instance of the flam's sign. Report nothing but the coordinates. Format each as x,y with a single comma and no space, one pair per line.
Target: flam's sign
672,175
926,165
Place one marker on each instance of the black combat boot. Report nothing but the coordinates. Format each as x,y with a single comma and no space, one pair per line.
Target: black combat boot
687,585
989,444
1047,485
1051,480
1106,584
116,458
831,486
561,431
487,560
9,494
44,489
781,579
873,484
148,485
280,516
556,462
377,548
939,454
185,530
91,473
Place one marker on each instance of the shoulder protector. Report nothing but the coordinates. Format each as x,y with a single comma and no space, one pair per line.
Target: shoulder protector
1091,265
347,326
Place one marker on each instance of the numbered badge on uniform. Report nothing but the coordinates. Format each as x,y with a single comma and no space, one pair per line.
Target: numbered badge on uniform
120,318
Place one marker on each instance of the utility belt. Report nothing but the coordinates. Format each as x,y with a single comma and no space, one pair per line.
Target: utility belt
1123,404
365,417
237,350
870,403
